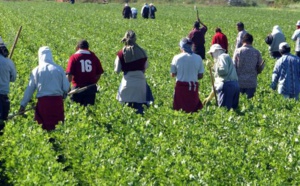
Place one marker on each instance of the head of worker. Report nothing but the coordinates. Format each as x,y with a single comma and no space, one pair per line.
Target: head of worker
45,55
129,38
284,48
215,51
82,44
3,49
240,26
185,45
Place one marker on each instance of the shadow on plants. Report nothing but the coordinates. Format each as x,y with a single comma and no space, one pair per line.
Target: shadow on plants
3,177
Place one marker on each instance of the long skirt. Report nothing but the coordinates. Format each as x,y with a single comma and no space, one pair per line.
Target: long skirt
186,97
49,111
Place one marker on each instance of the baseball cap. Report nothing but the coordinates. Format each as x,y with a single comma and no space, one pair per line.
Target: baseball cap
298,23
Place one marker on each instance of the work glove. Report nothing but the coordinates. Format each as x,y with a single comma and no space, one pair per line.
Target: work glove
209,63
210,97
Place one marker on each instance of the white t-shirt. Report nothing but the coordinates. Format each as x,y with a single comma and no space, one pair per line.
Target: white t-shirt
187,67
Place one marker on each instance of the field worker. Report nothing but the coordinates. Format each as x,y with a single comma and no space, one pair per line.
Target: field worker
221,39
134,13
296,37
50,81
241,32
7,75
152,10
132,60
145,11
248,63
225,79
84,70
286,73
197,36
188,68
273,40
126,11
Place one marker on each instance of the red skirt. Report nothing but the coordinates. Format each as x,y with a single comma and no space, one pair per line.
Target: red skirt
186,97
49,111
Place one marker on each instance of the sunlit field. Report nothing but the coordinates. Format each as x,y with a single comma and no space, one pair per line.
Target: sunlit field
108,144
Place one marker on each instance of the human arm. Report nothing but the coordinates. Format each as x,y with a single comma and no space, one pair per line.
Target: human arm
30,89
275,76
200,70
173,69
295,35
13,72
236,57
209,98
118,66
260,63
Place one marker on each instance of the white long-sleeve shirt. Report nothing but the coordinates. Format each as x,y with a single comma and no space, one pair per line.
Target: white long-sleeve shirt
48,78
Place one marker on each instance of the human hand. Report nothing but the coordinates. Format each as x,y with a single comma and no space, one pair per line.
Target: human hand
206,100
21,110
273,86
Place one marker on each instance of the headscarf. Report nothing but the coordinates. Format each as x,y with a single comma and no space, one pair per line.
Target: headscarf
276,29
186,45
132,51
45,55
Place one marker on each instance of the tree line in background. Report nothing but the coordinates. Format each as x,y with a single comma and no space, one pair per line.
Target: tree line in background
271,3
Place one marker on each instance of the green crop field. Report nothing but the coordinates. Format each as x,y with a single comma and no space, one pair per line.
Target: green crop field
108,144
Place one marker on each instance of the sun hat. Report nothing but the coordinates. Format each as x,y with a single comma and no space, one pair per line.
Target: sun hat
215,47
298,23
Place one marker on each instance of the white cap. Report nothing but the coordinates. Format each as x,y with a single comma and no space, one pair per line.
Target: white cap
298,23
283,45
1,42
215,47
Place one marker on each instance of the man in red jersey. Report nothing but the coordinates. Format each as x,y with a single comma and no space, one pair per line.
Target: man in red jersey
221,39
197,35
84,69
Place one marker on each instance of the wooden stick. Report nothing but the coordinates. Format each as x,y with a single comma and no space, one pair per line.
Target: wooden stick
20,113
15,43
78,90
212,83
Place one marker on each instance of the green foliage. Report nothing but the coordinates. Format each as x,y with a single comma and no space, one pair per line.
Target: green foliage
108,144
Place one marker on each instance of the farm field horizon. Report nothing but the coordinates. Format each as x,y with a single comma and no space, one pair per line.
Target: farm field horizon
108,144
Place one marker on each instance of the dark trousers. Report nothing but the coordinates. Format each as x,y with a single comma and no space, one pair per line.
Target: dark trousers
4,106
229,95
86,97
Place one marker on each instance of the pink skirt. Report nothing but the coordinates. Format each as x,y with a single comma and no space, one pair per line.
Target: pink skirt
49,111
186,97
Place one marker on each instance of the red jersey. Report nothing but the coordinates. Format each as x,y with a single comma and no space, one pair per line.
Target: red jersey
84,66
221,39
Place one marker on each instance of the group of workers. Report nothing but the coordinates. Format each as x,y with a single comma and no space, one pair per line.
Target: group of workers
231,76
236,75
148,11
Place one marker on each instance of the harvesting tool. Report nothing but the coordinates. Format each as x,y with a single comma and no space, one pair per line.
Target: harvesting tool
78,90
15,43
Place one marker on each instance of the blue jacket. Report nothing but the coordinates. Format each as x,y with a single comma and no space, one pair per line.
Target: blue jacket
286,75
7,74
